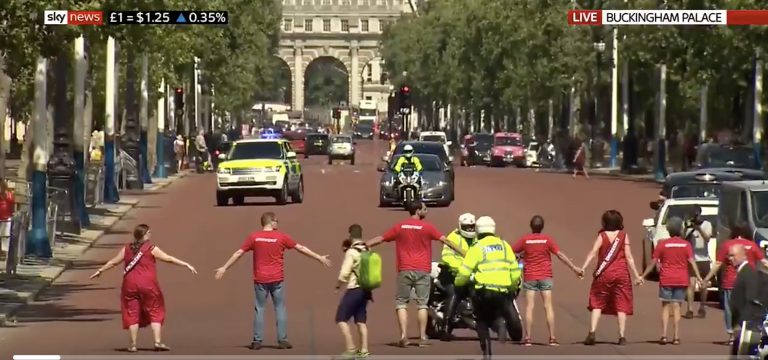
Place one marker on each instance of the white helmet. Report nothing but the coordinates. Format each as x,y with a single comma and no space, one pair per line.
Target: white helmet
467,226
408,150
485,225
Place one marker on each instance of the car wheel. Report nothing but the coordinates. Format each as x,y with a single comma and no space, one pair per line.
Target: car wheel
238,200
222,200
282,197
352,161
383,203
298,196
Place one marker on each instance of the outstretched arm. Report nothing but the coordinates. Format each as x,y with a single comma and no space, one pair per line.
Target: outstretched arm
160,254
451,245
111,263
309,253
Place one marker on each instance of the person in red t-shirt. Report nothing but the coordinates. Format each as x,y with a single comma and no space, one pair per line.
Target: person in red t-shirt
537,274
268,246
674,255
7,207
741,236
413,245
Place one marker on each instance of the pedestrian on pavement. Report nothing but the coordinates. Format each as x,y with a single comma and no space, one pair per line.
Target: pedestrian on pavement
611,291
537,250
7,208
354,303
741,235
697,232
676,254
178,150
497,277
142,301
202,151
413,245
580,160
268,246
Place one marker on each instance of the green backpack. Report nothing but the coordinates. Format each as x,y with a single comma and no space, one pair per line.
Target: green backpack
369,270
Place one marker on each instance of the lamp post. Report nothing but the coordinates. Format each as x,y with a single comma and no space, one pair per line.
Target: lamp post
132,136
599,47
61,165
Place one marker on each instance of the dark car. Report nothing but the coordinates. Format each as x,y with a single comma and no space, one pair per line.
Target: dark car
483,146
364,130
437,185
727,156
427,147
316,144
701,183
221,149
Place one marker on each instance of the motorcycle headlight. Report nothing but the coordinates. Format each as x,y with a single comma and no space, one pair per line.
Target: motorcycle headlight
224,171
441,183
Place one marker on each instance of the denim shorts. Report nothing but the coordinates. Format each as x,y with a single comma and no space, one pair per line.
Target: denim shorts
538,285
672,294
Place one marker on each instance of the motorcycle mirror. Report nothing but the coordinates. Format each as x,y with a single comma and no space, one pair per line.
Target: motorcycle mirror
380,169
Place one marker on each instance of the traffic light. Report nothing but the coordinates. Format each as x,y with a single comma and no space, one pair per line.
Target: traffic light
178,99
405,97
336,113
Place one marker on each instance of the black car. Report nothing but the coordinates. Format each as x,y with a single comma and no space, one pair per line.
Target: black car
701,183
316,144
428,147
727,156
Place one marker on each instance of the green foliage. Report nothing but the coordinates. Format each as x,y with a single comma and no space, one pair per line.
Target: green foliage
236,59
496,55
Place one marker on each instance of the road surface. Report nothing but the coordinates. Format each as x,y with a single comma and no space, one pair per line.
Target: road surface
208,317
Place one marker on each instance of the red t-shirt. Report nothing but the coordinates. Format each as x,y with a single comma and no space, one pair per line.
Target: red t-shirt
673,254
268,253
537,252
729,272
7,206
413,244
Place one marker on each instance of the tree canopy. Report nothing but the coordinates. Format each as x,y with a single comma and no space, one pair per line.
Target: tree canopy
497,56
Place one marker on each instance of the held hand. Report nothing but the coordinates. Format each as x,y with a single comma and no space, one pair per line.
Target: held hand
96,274
192,269
324,260
220,272
639,281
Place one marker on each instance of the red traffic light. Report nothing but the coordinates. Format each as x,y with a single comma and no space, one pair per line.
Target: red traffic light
405,89
179,91
338,111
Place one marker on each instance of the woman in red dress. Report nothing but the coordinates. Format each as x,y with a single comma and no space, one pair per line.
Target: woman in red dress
579,160
141,300
611,291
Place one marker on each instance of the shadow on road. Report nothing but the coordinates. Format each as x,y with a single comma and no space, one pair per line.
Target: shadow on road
49,307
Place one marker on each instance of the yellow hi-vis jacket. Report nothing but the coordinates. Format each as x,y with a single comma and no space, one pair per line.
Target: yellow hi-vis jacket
450,257
493,262
404,160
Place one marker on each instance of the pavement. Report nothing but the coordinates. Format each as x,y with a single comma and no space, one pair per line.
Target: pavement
22,288
78,316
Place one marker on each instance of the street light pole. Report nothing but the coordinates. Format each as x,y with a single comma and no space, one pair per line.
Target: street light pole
61,164
132,137
615,99
599,48
144,119
111,195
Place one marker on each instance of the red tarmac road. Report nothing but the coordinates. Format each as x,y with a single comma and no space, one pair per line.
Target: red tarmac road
78,316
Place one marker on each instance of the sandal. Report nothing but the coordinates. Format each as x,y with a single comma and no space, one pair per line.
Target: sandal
527,342
349,354
663,340
132,349
675,341
161,347
553,342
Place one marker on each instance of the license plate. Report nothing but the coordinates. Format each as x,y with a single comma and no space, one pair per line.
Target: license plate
319,143
271,178
246,179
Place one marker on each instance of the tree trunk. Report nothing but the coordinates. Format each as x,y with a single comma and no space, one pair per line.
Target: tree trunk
5,94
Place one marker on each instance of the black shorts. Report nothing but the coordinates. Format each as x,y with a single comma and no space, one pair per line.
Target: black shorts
354,304
703,267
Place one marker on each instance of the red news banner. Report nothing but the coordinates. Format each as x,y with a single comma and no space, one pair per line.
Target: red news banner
67,17
668,17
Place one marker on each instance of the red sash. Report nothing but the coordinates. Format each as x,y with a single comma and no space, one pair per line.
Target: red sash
610,256
136,258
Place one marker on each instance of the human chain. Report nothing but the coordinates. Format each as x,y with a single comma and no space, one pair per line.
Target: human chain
168,17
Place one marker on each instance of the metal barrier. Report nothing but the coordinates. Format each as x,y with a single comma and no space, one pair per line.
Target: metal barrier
51,220
17,246
129,169
94,184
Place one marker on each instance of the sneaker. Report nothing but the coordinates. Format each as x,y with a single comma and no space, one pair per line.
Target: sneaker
688,314
349,354
590,340
363,354
285,345
527,342
702,313
256,345
423,343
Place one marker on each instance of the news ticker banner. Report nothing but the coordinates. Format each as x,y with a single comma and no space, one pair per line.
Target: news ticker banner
66,17
668,17
380,357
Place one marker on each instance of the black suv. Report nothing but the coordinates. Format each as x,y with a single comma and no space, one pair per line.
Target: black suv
316,144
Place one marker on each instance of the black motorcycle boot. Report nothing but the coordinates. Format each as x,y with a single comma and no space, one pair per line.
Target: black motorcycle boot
485,346
450,313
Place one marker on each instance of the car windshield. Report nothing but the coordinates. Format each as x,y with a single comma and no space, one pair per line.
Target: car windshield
685,211
695,191
428,163
760,208
341,140
433,138
255,150
713,156
424,148
367,112
484,142
507,141
533,147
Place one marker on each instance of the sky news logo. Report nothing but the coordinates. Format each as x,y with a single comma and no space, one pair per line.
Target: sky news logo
65,17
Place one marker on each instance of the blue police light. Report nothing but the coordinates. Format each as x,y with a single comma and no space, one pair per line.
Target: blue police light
269,134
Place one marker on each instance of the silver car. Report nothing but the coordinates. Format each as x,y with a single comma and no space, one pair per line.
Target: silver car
436,187
341,147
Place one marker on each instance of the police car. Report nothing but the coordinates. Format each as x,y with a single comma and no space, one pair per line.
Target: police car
259,168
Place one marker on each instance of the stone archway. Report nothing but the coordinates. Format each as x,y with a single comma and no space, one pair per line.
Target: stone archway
282,89
326,82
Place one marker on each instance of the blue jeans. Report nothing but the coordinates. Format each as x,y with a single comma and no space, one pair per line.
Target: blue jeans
725,299
277,291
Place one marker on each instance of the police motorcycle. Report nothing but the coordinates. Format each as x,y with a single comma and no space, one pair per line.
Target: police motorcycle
753,339
464,314
409,185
